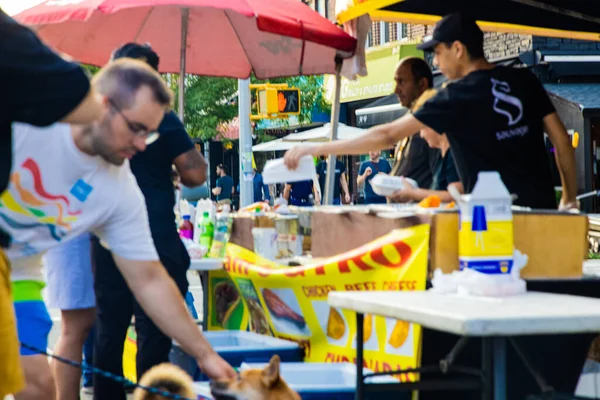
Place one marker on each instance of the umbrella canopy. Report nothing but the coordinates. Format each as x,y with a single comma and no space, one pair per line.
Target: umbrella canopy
576,19
322,134
228,38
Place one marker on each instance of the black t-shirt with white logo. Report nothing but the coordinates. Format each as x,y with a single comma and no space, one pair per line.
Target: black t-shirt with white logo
494,122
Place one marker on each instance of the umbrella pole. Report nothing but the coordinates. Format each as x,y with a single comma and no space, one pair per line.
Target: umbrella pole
245,147
185,14
335,116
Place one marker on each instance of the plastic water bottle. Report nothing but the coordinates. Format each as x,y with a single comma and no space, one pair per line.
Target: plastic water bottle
207,230
186,229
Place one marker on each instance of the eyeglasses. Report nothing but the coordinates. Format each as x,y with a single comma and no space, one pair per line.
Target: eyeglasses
137,128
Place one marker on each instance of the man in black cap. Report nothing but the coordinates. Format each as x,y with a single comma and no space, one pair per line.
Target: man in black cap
495,118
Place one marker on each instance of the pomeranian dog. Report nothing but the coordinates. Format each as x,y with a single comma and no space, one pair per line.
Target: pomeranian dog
255,384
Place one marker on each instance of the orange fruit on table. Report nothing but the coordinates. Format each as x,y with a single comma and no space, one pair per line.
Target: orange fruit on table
430,202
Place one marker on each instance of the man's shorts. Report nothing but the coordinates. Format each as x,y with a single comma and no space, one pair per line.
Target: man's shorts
69,276
11,374
33,321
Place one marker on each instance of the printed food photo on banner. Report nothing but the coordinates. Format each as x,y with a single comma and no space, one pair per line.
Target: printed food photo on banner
333,322
285,311
370,337
399,338
258,321
226,302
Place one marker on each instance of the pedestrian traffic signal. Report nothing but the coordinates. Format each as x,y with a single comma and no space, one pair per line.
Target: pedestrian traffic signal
276,101
288,101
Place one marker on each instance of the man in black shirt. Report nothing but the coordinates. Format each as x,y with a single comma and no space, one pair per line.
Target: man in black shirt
340,180
40,88
413,156
114,300
494,117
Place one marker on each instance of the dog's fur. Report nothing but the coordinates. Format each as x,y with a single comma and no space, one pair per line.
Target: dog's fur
166,377
255,384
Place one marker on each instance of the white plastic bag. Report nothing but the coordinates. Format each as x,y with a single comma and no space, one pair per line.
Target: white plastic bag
469,282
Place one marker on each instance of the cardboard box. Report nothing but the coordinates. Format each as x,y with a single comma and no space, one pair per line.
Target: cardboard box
241,229
555,242
337,233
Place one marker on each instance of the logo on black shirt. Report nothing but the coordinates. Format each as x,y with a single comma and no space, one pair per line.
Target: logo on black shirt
501,91
510,107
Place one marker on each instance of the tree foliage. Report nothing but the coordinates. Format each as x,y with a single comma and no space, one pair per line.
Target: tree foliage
210,102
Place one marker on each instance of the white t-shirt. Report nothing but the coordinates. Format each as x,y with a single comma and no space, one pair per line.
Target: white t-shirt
57,192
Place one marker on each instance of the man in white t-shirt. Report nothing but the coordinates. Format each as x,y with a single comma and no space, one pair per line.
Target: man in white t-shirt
67,180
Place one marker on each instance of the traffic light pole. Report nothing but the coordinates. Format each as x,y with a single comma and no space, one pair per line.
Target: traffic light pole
335,116
245,149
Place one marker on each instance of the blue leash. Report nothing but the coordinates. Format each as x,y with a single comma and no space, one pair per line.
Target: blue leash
105,374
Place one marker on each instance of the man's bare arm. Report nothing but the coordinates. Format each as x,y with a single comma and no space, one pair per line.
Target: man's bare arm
378,138
89,110
565,159
360,179
286,191
344,183
168,312
191,167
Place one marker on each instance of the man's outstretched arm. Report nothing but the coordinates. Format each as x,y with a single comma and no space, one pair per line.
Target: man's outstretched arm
378,138
159,297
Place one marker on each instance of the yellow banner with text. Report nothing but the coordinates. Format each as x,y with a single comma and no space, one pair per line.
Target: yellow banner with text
291,302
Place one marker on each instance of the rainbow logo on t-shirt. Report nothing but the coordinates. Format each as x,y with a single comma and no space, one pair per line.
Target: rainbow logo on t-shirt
32,200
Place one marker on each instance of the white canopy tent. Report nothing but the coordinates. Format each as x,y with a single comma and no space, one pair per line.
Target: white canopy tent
322,133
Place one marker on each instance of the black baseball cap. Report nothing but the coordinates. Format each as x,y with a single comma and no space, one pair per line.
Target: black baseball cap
451,28
138,51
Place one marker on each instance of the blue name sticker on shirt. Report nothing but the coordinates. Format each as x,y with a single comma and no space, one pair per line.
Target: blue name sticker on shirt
81,190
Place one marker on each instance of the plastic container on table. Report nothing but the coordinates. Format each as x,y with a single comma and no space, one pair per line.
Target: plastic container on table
386,185
207,230
275,171
237,347
327,381
186,229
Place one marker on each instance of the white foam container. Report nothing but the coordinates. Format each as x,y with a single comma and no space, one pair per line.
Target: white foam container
385,185
275,171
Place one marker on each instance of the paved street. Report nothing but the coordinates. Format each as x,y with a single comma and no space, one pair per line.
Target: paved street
195,288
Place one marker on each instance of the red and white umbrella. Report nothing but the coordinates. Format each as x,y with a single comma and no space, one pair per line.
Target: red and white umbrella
229,38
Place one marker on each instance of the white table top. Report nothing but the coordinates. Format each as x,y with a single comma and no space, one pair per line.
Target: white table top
527,314
206,264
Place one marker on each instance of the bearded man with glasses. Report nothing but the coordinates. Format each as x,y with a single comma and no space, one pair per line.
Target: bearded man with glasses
68,180
78,296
